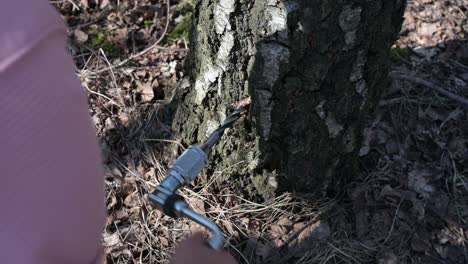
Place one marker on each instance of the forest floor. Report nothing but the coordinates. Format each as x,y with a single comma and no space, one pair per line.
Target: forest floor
409,204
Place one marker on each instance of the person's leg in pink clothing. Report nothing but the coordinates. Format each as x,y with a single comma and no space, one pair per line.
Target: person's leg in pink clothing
51,188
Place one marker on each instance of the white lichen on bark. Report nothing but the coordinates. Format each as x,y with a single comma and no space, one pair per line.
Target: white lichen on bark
358,66
361,88
274,55
222,12
277,16
211,126
334,128
320,110
209,75
349,21
357,75
264,115
222,58
211,71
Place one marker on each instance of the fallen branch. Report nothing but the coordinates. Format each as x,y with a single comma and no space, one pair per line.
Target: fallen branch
433,86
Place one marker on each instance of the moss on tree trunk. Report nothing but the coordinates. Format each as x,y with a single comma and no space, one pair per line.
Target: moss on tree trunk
314,70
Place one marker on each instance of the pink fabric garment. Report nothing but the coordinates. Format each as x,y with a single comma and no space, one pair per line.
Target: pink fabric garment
51,189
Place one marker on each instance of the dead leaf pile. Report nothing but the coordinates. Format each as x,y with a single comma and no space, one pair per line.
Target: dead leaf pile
431,22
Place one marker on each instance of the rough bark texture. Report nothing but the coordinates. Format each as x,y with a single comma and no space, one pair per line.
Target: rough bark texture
313,68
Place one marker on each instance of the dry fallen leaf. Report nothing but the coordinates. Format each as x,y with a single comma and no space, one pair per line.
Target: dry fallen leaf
112,202
121,214
428,29
80,36
197,228
163,240
104,3
279,231
387,257
119,36
110,240
85,3
250,247
263,250
316,231
420,242
197,204
419,181
123,117
132,200
147,93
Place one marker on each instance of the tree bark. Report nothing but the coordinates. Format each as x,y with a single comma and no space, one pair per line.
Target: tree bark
314,70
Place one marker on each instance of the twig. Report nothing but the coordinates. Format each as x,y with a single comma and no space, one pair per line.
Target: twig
75,6
394,221
391,227
459,64
171,49
108,63
114,79
153,46
165,140
100,94
435,87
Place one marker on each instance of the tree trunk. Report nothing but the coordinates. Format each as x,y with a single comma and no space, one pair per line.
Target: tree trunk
314,69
